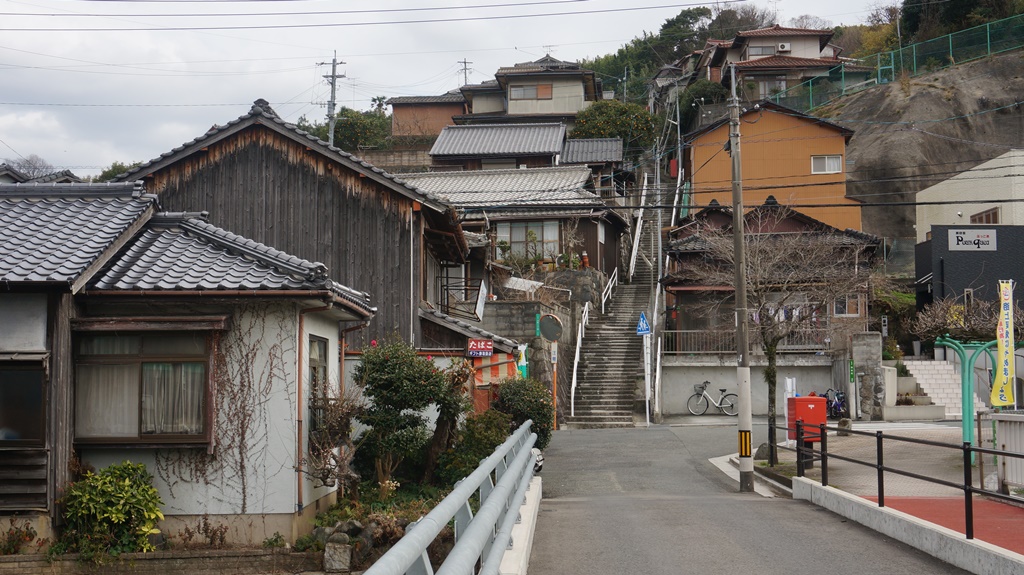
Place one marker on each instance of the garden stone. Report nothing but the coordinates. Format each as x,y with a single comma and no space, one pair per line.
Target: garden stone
364,542
321,534
338,554
762,452
352,528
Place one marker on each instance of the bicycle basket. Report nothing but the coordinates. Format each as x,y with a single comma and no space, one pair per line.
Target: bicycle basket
700,387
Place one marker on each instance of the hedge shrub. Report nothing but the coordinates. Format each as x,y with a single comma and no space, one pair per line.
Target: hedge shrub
527,399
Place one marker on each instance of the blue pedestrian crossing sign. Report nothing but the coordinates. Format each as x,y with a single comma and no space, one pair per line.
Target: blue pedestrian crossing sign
642,327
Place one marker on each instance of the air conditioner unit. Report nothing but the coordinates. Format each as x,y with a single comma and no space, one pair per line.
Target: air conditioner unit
785,46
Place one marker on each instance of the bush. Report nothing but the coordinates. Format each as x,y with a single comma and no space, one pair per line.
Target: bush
110,512
527,399
17,537
478,438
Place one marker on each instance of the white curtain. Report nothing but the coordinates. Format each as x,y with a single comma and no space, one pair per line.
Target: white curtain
172,398
107,403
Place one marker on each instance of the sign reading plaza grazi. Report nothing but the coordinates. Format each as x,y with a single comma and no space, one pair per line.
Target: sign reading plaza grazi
972,240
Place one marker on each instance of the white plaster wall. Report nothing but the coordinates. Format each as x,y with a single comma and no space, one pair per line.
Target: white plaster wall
266,463
24,321
320,325
678,381
487,103
566,97
996,179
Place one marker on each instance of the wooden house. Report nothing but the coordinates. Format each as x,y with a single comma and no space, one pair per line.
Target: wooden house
159,338
267,180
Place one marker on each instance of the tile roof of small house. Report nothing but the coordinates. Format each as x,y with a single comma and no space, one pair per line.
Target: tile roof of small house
824,36
14,174
61,177
787,62
449,98
54,233
262,113
592,150
467,329
528,187
182,252
499,140
545,64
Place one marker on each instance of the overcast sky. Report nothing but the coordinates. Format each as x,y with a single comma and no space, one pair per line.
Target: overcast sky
84,83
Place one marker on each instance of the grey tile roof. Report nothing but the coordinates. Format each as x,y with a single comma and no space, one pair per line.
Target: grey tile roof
9,173
592,150
466,328
52,233
500,140
449,98
61,177
533,187
182,252
262,113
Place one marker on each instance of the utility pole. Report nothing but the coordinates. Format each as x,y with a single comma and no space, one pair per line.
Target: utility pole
332,78
740,261
465,71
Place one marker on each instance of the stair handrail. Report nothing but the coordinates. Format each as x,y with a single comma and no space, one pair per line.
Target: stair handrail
576,362
639,228
607,293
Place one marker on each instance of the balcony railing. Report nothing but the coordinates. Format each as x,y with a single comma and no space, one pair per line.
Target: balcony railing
460,297
716,341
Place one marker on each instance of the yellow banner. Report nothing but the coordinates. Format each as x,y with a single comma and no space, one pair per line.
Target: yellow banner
1002,387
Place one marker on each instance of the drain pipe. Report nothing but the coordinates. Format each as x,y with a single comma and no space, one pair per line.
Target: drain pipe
298,401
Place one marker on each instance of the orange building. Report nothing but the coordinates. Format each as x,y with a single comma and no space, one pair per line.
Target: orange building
799,159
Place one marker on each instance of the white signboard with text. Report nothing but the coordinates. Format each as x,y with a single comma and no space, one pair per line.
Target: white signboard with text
971,240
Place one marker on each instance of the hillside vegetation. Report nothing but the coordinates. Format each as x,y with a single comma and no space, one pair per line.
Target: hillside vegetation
914,133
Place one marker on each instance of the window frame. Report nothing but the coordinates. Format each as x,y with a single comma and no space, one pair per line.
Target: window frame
769,50
139,359
315,411
504,233
41,418
986,217
847,299
826,158
530,91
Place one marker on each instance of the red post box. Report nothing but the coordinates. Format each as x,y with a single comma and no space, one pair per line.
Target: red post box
811,410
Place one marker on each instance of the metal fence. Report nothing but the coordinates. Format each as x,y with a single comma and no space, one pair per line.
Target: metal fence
482,537
914,60
698,341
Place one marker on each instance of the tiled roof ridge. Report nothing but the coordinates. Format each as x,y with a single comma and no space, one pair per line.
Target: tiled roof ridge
75,190
499,171
778,28
261,109
504,126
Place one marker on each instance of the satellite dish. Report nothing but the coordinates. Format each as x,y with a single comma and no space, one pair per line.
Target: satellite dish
550,327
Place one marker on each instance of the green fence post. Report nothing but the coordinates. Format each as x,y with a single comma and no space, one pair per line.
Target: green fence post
951,60
914,46
988,39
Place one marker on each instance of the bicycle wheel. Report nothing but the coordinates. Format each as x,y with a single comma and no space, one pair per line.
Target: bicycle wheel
697,404
730,404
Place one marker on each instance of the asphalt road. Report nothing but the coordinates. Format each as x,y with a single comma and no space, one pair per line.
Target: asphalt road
647,501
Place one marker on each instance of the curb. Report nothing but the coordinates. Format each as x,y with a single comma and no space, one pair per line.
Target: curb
517,558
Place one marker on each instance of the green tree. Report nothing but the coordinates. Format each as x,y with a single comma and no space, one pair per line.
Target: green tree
113,170
527,399
611,119
354,130
700,93
399,385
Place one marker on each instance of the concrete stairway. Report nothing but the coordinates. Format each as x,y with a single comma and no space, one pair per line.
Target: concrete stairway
940,381
612,354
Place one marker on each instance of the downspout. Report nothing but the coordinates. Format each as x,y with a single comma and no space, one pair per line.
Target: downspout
341,355
298,403
412,281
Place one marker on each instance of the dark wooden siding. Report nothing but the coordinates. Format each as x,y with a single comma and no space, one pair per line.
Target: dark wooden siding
606,257
264,186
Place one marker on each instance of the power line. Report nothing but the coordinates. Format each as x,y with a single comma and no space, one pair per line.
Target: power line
355,24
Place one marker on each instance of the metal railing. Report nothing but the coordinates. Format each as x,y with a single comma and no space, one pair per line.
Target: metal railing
606,294
639,229
682,341
461,297
915,59
480,538
576,362
806,456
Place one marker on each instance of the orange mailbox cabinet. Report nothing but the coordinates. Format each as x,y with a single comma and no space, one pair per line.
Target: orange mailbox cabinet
811,410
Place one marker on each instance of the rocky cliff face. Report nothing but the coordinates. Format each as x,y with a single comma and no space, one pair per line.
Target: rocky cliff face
914,133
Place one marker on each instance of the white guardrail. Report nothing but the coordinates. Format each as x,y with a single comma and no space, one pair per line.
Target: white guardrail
480,538
606,294
576,362
639,229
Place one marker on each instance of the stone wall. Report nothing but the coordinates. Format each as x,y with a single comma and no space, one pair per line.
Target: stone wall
199,562
867,365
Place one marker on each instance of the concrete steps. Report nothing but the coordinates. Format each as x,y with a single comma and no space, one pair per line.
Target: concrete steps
940,381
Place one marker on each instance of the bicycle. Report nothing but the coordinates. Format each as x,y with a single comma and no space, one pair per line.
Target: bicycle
728,403
835,403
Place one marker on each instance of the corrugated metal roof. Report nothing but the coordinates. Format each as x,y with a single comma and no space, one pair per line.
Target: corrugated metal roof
262,113
52,233
592,150
183,252
500,140
534,187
